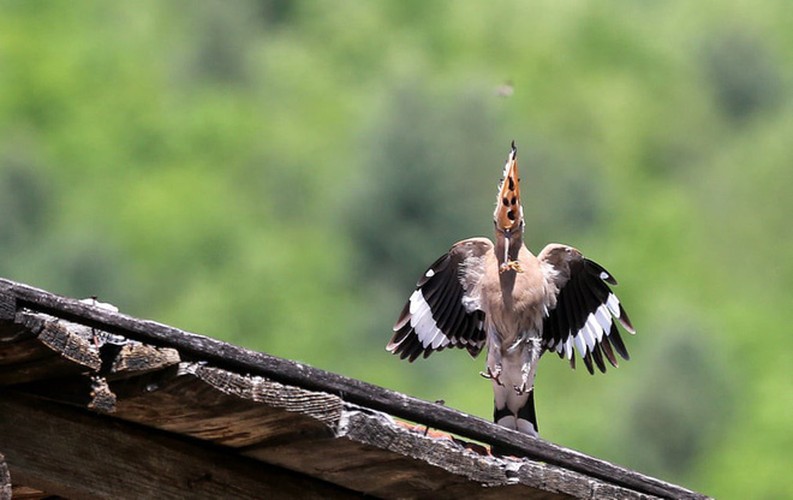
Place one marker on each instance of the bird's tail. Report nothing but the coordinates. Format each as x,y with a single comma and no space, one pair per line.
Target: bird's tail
516,411
523,420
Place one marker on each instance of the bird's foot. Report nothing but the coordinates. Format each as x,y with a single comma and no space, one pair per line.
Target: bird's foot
490,374
521,389
512,265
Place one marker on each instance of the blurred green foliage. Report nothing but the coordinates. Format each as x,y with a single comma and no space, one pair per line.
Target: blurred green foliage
278,173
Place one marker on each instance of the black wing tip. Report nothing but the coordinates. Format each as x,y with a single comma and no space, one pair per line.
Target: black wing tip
403,346
588,363
605,346
474,349
403,319
616,342
393,345
413,352
626,321
598,357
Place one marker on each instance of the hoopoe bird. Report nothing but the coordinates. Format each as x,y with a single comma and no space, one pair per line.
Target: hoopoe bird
520,305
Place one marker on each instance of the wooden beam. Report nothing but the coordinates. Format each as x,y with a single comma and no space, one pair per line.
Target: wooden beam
316,434
5,480
141,358
8,306
373,454
73,453
236,358
227,408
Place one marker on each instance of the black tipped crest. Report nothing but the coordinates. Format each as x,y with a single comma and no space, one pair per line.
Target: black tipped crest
509,213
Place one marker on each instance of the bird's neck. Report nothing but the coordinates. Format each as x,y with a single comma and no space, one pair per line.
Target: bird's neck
508,248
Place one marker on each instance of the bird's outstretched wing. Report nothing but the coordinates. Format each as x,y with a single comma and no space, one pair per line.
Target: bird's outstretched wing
445,310
586,309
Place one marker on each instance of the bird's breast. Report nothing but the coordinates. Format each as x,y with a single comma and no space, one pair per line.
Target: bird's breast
516,302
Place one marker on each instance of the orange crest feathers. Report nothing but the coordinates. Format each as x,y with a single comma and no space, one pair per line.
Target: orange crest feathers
509,212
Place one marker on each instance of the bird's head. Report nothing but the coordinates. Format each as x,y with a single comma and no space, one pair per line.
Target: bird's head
508,216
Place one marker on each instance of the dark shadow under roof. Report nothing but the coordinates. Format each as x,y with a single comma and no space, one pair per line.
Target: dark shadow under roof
94,403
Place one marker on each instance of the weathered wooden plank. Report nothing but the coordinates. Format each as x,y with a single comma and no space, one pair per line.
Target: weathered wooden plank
37,346
198,401
69,340
19,345
5,480
23,349
50,367
182,402
226,408
8,306
102,399
371,470
298,429
27,493
374,455
72,453
136,358
11,332
78,389
269,421
239,359
24,358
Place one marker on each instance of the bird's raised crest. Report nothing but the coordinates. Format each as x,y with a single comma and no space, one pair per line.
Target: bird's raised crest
509,212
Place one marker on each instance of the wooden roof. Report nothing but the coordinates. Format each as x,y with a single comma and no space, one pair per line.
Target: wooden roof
94,403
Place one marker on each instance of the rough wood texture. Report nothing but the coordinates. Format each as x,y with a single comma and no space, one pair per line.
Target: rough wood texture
19,345
377,457
5,479
78,390
27,493
8,306
66,452
282,412
70,346
102,399
135,358
392,462
315,433
50,367
23,357
227,408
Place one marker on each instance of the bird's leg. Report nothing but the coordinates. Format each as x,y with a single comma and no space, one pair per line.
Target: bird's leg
525,384
531,357
493,374
493,356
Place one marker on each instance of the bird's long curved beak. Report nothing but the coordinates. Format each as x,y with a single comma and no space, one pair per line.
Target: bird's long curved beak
509,212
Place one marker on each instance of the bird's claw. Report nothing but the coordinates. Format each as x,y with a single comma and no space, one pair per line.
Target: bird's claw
512,265
492,376
521,389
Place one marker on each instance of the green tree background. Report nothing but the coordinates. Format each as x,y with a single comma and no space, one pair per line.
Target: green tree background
277,174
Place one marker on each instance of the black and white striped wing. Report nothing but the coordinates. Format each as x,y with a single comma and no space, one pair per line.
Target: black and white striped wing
444,310
587,311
